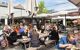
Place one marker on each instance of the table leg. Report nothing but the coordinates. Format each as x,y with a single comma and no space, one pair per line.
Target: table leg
24,46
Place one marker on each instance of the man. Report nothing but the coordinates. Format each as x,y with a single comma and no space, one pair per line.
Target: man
66,41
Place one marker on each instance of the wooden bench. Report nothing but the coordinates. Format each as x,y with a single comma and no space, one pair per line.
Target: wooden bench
31,48
15,43
50,43
41,47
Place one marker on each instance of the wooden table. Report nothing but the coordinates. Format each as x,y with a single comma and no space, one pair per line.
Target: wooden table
72,49
42,35
24,41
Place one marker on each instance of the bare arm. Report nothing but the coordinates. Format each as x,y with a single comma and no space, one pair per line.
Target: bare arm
63,45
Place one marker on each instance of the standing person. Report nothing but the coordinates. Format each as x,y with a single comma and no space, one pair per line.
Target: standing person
66,41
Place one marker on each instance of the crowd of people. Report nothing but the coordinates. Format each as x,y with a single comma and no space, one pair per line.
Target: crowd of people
69,42
11,34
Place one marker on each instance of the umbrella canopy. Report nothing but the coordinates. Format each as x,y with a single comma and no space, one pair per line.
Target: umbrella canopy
19,6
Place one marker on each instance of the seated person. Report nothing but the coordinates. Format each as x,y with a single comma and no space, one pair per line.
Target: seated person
67,41
54,35
34,38
21,31
12,37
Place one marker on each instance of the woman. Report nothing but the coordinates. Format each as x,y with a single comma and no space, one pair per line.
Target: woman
21,30
54,35
67,41
34,38
12,37
6,31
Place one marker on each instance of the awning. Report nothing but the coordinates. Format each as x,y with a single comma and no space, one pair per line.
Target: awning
75,2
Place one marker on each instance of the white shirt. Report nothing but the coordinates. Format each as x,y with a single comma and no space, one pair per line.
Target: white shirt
1,37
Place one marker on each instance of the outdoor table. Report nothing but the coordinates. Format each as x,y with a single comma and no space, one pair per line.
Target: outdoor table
24,41
76,48
42,35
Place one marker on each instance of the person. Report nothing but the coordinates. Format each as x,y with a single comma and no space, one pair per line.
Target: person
26,30
21,30
54,35
12,37
34,39
30,29
66,41
16,28
42,29
1,35
1,38
6,31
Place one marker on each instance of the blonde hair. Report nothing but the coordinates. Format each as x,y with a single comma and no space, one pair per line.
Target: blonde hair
69,35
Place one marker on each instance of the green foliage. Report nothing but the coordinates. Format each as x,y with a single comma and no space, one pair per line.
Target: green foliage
42,8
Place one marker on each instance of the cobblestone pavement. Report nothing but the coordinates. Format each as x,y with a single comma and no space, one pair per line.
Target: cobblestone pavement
26,49
19,48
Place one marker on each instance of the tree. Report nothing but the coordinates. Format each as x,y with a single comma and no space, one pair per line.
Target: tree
42,8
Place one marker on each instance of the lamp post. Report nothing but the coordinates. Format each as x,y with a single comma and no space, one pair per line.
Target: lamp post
21,12
10,9
33,11
64,18
12,19
34,14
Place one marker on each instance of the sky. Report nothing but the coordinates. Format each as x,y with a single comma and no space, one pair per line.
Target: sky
56,5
